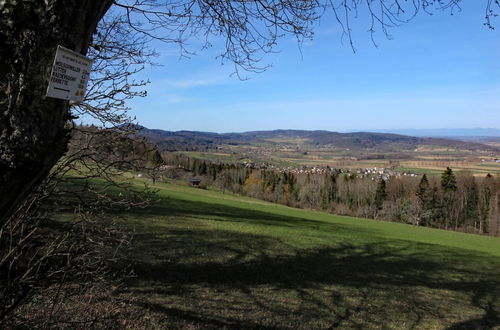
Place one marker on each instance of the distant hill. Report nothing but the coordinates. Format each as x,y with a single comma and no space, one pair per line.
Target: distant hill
375,142
445,132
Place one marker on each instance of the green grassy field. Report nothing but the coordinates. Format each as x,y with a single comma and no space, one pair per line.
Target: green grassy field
204,259
418,170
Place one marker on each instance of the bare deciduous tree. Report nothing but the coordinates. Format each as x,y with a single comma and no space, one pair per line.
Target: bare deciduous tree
33,131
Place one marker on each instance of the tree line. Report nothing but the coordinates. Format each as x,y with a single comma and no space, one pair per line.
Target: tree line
454,200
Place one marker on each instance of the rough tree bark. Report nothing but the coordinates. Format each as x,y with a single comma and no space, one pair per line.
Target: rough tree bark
33,132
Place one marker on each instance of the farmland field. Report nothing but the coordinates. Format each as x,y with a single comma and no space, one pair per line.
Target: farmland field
204,259
428,160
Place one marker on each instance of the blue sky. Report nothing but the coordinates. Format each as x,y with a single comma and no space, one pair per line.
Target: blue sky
439,71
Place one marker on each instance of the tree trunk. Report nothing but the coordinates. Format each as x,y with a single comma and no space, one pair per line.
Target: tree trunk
33,128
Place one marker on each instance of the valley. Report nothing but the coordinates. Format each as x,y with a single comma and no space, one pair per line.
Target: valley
289,149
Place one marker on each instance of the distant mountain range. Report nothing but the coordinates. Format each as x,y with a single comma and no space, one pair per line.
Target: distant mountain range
444,132
368,141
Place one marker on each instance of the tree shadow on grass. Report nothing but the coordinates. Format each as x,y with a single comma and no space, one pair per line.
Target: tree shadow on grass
220,278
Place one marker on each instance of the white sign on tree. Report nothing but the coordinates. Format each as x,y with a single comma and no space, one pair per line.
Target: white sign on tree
70,74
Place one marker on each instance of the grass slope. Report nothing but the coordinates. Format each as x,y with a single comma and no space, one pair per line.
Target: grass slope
204,259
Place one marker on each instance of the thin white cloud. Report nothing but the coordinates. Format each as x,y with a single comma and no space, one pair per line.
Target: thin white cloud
201,79
382,105
175,98
420,110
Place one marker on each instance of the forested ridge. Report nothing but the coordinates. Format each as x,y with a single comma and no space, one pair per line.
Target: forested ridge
383,142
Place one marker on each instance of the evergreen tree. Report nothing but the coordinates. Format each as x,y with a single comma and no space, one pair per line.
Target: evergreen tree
434,216
156,159
423,190
449,185
424,196
380,194
471,211
448,180
203,168
485,199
